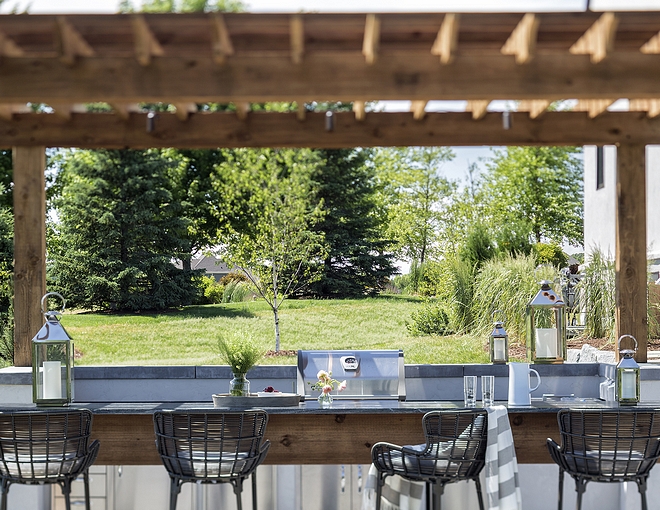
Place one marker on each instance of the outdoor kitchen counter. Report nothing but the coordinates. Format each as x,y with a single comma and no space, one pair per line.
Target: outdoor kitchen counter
307,434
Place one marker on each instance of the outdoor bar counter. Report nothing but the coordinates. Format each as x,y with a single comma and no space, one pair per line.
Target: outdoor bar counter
308,434
123,400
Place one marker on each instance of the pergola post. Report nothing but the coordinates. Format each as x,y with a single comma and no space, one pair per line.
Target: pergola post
29,248
631,263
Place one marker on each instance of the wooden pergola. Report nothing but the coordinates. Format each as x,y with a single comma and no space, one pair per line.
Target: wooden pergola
188,60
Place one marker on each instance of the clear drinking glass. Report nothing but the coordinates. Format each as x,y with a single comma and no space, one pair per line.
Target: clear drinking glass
487,390
470,390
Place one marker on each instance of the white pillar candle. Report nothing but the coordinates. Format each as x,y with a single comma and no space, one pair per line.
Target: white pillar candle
546,342
628,384
498,348
52,379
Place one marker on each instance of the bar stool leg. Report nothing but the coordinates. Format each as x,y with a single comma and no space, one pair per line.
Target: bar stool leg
561,489
379,490
66,491
86,482
175,488
5,491
254,490
641,485
580,487
479,494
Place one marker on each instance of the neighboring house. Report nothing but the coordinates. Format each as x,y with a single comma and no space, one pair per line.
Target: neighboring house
600,200
212,266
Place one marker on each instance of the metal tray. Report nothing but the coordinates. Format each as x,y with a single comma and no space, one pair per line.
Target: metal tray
256,400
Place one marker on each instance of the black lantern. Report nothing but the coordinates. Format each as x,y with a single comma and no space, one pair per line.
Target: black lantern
627,375
546,327
52,360
499,343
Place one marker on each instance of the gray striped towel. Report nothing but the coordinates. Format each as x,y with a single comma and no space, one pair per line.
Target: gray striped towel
502,485
397,494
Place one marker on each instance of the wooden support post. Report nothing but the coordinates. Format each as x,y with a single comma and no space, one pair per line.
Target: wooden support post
29,248
631,280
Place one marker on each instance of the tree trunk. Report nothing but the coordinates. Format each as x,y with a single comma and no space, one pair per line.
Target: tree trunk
277,327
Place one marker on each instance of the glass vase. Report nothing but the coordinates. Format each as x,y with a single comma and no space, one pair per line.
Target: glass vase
239,386
325,400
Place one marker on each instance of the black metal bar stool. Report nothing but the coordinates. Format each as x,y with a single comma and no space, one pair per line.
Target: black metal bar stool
211,447
46,447
455,451
606,446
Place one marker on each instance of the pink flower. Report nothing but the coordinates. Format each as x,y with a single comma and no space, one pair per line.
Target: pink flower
327,389
342,386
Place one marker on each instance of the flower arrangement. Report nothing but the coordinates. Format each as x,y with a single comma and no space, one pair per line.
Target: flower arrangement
326,383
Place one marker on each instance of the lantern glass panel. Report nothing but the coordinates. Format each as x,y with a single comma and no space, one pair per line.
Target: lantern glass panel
546,332
52,371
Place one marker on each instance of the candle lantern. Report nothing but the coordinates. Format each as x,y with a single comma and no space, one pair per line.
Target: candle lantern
499,343
627,375
52,360
546,327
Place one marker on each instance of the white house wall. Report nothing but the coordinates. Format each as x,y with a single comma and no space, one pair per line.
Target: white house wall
599,204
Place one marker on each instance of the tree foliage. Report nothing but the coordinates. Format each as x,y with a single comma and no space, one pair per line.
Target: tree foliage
119,230
6,283
536,192
415,195
269,212
359,260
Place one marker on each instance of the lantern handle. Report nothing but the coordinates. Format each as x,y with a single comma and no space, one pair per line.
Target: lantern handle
628,336
44,301
492,315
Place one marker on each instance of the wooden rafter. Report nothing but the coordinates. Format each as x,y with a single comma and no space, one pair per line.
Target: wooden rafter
297,36
183,110
652,46
478,108
535,107
522,41
446,41
123,110
222,45
650,106
242,110
146,43
593,107
418,108
6,111
301,111
371,38
9,48
71,44
63,111
598,40
358,109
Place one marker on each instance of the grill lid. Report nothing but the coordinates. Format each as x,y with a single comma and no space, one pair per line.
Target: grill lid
377,374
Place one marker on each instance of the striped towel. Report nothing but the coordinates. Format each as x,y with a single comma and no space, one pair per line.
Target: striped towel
398,494
502,485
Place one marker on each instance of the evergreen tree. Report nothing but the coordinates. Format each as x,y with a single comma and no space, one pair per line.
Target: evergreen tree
359,261
118,233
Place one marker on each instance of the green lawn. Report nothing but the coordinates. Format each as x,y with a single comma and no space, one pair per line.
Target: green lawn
189,336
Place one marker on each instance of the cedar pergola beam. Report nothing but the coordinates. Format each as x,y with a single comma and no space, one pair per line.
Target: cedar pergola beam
264,129
323,77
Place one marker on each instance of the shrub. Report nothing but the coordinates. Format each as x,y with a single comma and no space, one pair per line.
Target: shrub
431,319
550,254
211,290
7,338
507,284
236,291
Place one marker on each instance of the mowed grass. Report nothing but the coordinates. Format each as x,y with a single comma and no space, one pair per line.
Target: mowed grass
190,336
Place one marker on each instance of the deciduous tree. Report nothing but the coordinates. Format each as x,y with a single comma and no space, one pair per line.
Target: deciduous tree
270,210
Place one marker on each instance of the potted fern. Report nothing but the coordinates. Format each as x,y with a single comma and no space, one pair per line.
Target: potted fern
241,354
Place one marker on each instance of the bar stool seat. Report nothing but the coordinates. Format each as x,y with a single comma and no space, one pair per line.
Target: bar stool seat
46,447
610,446
211,447
455,450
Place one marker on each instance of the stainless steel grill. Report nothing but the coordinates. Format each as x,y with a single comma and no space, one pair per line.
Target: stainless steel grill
375,374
